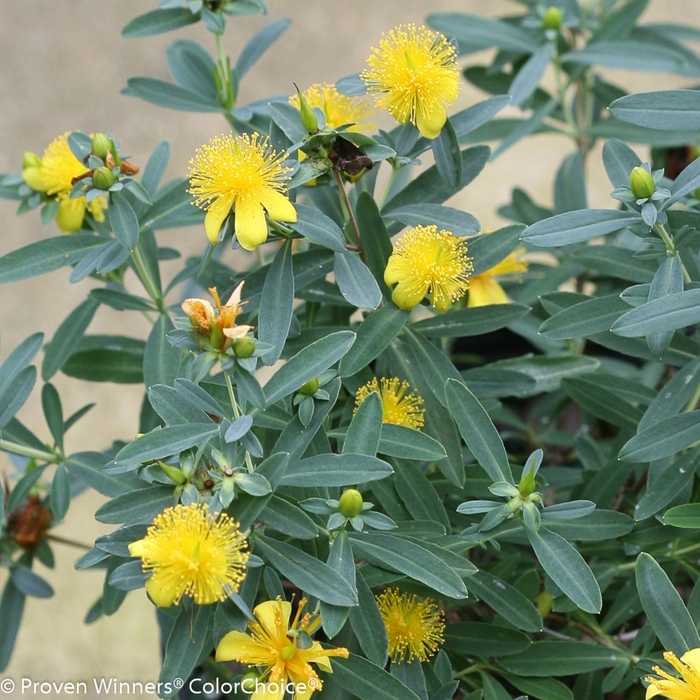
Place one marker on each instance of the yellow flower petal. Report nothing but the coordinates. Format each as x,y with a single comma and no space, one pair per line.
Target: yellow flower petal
161,594
238,646
407,294
34,178
268,614
278,207
484,291
430,125
251,227
215,218
70,215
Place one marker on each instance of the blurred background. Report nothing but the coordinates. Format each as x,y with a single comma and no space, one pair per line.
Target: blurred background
63,65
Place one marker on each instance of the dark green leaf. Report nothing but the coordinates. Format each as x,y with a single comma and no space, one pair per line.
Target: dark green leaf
11,609
60,493
407,443
528,77
368,625
448,159
470,322
336,470
123,221
356,282
628,55
475,33
663,439
87,466
667,109
578,226
458,222
160,359
29,583
168,95
136,506
367,681
619,159
319,228
159,21
570,185
276,304
366,427
489,249
15,393
483,639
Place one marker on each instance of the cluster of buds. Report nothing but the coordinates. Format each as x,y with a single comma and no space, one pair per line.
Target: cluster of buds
349,508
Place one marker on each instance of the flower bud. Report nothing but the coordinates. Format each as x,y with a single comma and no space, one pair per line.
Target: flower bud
102,145
552,18
641,183
31,160
244,347
350,503
248,682
310,388
174,473
308,117
102,178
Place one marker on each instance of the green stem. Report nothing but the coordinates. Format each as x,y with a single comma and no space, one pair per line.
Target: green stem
670,247
237,414
387,188
25,451
223,68
345,202
146,280
562,89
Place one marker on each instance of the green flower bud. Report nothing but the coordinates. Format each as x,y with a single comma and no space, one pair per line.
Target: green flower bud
552,18
248,681
102,178
310,388
102,145
31,160
244,347
174,473
641,183
350,503
308,117
544,603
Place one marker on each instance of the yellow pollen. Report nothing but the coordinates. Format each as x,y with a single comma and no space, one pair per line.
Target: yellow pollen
398,407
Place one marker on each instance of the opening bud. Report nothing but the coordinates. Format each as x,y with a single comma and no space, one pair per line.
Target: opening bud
102,145
350,503
31,160
552,18
308,118
310,388
641,183
244,347
102,178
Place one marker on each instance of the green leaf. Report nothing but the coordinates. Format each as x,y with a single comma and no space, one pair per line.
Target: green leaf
628,55
686,516
29,583
368,625
448,159
340,558
570,185
506,600
460,223
121,301
102,358
407,443
285,517
374,335
307,364
478,431
11,609
471,322
365,430
577,226
667,280
602,402
258,44
410,559
529,76
584,319
87,466
616,262
484,639
356,282
186,642
567,568
155,168
595,527
172,207
168,95
22,488
246,508
288,119
367,681
619,23
336,470
669,110
477,115
277,304
667,313
489,249
562,658
319,228
474,33
15,393
136,506
663,439
60,493
192,67
418,494
311,575
375,238
159,21
160,358
543,688
619,159
163,443
128,576
686,183
123,221
664,607
18,359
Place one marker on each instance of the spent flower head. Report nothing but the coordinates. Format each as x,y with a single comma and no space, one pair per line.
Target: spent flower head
190,552
414,625
428,261
283,649
398,406
687,687
245,175
414,75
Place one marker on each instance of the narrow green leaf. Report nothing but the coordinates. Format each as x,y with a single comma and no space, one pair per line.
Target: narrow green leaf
628,55
667,313
319,228
60,493
136,506
277,304
365,430
475,33
87,466
168,95
562,658
155,168
15,393
11,609
602,402
448,159
258,44
367,681
570,185
471,322
529,76
578,226
418,494
123,221
686,516
160,359
619,159
669,110
30,583
489,249
375,238
663,439
586,318
159,21
356,282
368,625
407,443
336,470
484,639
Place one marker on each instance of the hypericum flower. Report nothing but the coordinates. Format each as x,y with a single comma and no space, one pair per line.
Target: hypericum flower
274,644
685,688
414,75
397,407
54,174
427,261
218,327
339,109
192,553
484,288
243,174
414,625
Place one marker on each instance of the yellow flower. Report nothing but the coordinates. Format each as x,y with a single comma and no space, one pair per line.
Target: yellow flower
485,290
218,327
274,645
245,174
192,553
54,174
427,261
414,75
397,407
339,109
414,625
674,688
